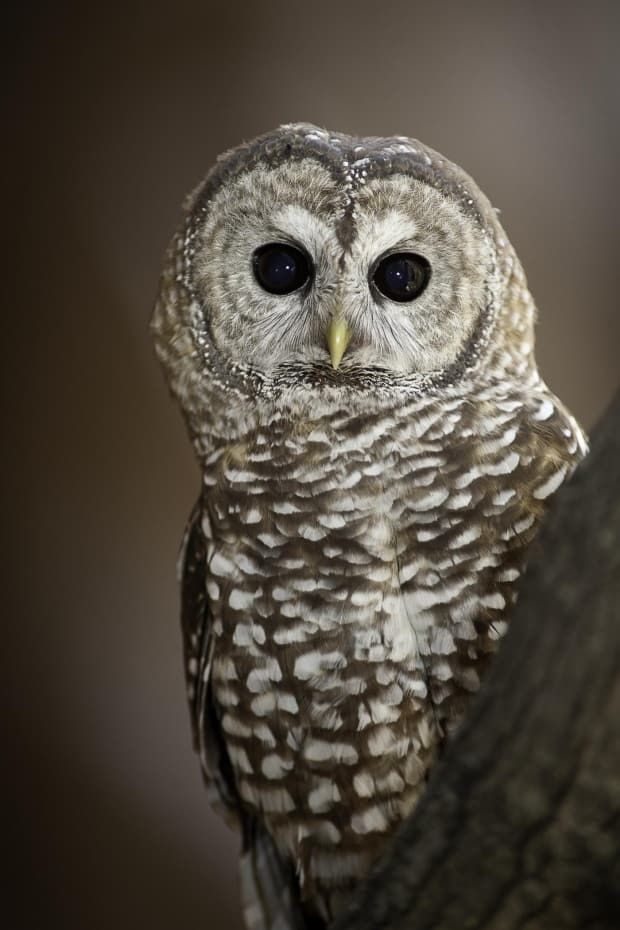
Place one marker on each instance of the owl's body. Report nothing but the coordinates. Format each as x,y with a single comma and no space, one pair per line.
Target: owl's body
352,560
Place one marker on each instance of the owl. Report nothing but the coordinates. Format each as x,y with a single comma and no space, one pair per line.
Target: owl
349,334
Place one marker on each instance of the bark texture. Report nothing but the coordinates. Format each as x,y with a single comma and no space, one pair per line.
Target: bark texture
520,824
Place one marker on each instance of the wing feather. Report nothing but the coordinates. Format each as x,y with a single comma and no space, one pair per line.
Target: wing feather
196,623
269,888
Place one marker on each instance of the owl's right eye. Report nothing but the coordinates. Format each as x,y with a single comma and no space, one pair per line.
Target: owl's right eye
280,268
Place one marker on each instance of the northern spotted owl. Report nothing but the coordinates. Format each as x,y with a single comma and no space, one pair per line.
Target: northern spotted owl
350,336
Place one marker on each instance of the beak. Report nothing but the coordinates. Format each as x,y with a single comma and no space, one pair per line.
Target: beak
337,336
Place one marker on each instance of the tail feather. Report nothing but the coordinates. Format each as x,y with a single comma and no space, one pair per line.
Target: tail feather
269,888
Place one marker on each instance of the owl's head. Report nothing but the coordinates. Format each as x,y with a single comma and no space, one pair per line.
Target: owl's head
311,259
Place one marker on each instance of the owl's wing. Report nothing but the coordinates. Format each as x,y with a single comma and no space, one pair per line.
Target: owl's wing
198,655
268,887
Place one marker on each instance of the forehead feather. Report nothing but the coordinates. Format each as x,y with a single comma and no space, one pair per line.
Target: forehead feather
302,182
347,159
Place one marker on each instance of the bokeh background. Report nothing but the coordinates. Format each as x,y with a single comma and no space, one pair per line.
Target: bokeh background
111,115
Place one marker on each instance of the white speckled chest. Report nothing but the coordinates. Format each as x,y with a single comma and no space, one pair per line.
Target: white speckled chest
359,571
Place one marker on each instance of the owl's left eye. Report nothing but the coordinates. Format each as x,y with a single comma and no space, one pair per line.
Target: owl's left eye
280,268
401,276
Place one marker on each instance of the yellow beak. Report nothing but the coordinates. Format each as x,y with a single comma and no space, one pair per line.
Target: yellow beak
338,336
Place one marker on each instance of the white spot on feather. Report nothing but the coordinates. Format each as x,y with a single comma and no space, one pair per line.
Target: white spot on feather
550,485
295,633
242,635
284,507
391,783
408,571
317,750
504,467
261,705
314,663
383,713
442,670
323,797
380,573
332,521
508,437
425,535
271,540
375,469
372,820
235,727
442,641
239,758
509,574
213,589
469,476
313,533
384,740
350,480
363,785
264,734
274,766
241,600
466,536
459,500
432,499
497,629
502,497
304,584
223,567
332,551
237,475
275,800
287,702
544,411
259,679
519,527
364,598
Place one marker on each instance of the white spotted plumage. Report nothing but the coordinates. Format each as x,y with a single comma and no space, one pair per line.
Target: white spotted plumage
352,563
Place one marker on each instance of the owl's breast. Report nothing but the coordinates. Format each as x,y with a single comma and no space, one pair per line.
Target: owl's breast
357,589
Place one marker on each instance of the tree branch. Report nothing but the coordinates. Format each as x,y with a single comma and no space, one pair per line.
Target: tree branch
520,826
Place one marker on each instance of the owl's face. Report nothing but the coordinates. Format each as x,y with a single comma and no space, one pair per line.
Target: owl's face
294,264
316,261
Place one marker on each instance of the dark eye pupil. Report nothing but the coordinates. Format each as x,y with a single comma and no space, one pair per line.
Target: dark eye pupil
402,276
280,268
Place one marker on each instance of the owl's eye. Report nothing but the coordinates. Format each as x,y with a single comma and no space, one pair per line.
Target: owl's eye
401,276
280,268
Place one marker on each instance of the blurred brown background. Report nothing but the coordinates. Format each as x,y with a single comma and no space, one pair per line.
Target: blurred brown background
112,115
